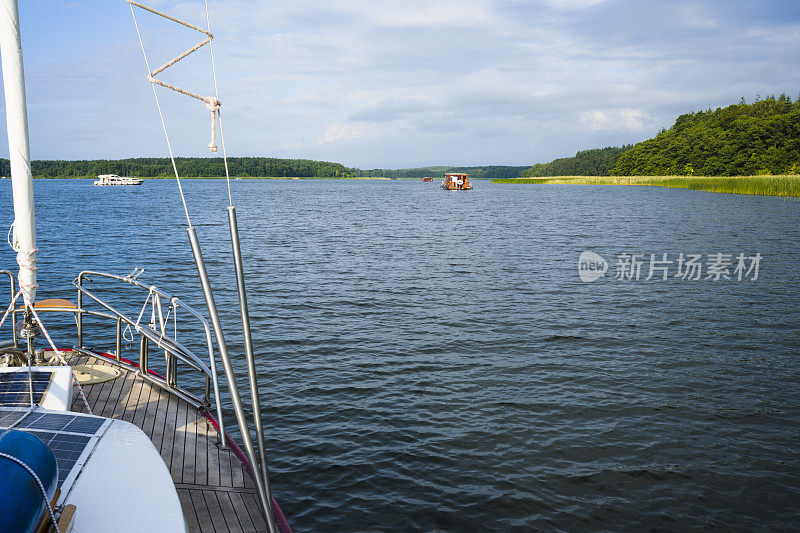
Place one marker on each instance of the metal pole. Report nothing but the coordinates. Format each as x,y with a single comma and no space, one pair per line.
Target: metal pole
266,504
14,326
119,338
248,347
80,311
24,234
143,354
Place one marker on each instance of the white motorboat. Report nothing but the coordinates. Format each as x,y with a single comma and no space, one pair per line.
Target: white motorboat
113,179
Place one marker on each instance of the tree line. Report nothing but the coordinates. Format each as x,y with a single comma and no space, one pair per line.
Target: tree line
761,138
594,162
205,167
484,172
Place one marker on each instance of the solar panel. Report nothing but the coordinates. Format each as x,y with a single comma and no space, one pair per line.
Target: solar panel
66,448
15,387
70,436
84,424
9,416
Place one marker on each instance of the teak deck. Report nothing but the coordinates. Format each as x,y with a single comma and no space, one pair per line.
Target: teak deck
215,490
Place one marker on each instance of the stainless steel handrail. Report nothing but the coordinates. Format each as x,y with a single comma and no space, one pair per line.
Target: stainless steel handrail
172,348
13,293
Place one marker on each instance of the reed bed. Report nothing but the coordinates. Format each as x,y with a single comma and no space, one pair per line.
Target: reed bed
786,185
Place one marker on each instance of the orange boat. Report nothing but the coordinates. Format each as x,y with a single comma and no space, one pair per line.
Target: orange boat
427,178
456,181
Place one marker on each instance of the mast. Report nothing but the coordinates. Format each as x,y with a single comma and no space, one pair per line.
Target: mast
24,239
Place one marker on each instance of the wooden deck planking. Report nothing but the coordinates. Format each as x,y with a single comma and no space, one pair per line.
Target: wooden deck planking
241,511
216,492
226,508
212,504
179,443
188,510
203,514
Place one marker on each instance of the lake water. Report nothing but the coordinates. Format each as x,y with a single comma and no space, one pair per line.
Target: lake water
431,360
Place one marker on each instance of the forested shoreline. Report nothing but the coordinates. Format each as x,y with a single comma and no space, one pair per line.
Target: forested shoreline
488,172
594,162
245,167
762,138
204,167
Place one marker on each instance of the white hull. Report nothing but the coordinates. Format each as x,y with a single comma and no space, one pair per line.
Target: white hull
113,179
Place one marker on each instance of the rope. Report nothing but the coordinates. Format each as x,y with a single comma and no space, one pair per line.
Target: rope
5,315
58,353
216,94
212,102
27,261
160,113
166,323
144,306
10,307
125,333
30,471
62,359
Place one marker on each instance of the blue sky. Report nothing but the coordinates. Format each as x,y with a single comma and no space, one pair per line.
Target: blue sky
377,84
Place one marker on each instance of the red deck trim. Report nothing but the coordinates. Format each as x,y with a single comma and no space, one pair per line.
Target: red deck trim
280,518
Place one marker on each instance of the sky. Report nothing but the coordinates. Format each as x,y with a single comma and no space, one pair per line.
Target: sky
397,84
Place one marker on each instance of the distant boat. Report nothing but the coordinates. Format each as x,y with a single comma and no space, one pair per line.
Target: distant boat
113,179
427,178
456,181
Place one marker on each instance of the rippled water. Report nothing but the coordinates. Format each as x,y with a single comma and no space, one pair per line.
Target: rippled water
431,360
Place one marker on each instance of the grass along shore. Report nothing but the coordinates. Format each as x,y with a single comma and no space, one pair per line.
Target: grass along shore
787,185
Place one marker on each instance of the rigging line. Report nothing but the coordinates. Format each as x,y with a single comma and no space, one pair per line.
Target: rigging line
161,116
173,19
63,360
212,103
219,114
30,377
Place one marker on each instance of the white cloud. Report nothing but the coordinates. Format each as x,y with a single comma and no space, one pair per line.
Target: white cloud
697,16
572,4
387,83
625,119
420,13
788,34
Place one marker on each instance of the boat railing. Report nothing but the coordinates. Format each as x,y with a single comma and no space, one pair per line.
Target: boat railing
13,293
155,332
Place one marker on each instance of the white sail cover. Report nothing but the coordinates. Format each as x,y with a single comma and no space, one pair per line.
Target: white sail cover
18,149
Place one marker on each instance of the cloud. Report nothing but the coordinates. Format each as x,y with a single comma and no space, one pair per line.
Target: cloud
625,119
572,4
383,83
786,35
697,16
419,13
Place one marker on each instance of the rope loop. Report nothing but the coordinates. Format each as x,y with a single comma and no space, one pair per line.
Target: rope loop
213,103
